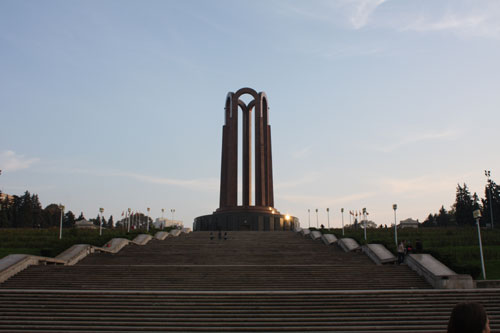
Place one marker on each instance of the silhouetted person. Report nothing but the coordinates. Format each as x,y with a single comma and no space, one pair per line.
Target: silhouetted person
220,234
211,235
468,318
401,252
225,235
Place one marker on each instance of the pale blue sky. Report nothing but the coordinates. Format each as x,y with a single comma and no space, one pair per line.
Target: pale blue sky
119,104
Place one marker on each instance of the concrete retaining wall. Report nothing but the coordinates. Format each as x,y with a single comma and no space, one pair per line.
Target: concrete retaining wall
161,235
175,232
348,244
315,234
438,274
329,239
378,254
75,253
305,232
14,263
142,239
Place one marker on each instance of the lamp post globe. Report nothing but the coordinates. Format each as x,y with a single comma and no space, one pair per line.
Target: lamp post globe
147,221
101,210
395,207
61,207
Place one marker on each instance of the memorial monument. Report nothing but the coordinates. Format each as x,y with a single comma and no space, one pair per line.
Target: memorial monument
261,216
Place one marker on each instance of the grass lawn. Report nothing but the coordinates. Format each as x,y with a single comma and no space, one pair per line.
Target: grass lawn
46,242
458,248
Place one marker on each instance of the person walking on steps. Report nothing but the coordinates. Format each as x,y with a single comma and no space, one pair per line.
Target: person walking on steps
401,252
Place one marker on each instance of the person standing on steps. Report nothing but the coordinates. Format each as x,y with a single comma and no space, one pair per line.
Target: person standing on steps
225,235
220,234
401,252
211,235
468,318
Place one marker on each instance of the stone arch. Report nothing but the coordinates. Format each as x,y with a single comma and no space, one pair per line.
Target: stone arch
263,169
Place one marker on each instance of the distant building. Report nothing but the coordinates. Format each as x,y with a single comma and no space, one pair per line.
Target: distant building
408,223
161,223
84,224
4,196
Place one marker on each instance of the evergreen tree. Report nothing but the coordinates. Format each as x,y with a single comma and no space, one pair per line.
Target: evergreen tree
430,221
464,206
69,220
443,218
81,217
110,222
494,205
51,216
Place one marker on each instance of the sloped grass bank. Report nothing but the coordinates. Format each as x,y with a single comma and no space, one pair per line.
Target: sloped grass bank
46,242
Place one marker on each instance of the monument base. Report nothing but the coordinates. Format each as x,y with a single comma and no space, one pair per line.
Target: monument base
246,219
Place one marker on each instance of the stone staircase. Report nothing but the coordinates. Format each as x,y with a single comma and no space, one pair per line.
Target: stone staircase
251,282
245,261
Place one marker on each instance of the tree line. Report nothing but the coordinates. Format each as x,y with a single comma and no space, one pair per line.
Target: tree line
461,212
26,211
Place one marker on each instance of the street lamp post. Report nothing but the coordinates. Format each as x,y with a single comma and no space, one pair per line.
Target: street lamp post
328,215
173,212
487,173
309,218
395,206
147,221
317,219
101,210
128,224
364,218
477,216
61,207
342,211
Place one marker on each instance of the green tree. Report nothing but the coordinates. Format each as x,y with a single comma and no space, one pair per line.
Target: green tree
493,205
110,222
52,216
464,206
443,218
430,221
69,220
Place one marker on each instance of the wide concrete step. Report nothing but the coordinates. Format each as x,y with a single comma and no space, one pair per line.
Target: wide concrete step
196,277
382,311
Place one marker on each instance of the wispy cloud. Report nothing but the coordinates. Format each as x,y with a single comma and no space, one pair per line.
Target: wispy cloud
355,13
305,179
325,201
481,24
11,161
481,18
205,184
416,138
362,10
418,185
301,153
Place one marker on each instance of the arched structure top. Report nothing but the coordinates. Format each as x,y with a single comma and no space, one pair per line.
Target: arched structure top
244,91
